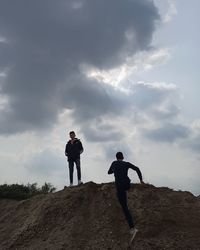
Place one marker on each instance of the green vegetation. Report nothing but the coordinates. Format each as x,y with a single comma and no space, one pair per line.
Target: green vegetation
22,192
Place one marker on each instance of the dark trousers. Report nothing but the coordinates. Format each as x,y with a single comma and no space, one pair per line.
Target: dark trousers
71,169
122,197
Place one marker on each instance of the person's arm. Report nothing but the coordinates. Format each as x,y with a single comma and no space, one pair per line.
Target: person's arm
80,147
66,154
110,171
137,170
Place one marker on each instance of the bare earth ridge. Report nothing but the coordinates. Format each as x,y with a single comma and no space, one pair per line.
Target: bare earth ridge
89,217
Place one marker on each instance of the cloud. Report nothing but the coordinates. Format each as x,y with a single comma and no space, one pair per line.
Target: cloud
167,111
45,163
171,11
133,65
113,109
168,132
99,131
186,136
43,45
148,95
138,107
193,143
167,9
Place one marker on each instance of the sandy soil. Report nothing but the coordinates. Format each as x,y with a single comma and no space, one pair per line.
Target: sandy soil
89,217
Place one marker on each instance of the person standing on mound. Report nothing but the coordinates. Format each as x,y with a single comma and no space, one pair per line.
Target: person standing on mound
73,150
122,182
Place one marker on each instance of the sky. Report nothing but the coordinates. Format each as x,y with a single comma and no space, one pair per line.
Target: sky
122,74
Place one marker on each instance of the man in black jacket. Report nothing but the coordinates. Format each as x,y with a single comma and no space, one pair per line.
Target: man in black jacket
73,150
122,183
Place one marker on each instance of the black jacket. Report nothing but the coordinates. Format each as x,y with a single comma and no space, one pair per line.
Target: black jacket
73,150
120,170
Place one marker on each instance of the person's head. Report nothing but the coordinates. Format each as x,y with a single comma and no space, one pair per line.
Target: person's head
72,134
119,156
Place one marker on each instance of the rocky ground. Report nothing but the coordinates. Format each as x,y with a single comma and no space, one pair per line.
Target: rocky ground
89,217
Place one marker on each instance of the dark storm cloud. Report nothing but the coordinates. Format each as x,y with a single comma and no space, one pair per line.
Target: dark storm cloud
168,133
95,106
45,42
90,99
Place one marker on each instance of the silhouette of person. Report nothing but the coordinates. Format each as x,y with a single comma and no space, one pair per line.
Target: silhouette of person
73,150
122,183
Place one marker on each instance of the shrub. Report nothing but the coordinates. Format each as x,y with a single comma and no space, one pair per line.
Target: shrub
21,192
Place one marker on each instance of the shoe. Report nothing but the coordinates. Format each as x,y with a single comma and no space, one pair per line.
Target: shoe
133,232
71,185
80,182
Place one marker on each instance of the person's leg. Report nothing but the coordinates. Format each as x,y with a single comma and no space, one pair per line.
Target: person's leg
122,197
71,171
78,167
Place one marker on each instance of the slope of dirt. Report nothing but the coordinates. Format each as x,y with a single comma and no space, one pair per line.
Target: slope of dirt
89,217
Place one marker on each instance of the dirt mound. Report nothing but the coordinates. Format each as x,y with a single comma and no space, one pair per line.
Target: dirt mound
89,217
